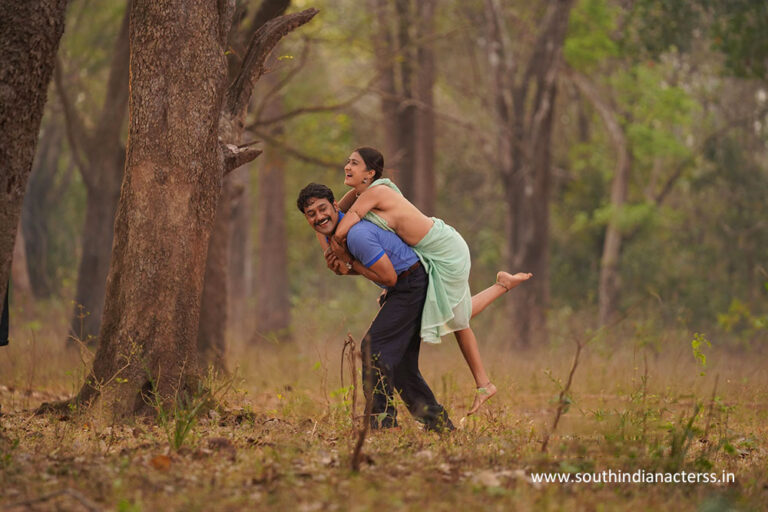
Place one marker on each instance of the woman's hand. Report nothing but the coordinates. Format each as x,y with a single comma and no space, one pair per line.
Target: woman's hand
335,264
340,250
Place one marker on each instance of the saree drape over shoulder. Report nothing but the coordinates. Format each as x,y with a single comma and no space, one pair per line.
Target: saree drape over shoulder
445,256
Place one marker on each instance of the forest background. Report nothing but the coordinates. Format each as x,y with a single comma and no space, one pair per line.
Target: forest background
616,149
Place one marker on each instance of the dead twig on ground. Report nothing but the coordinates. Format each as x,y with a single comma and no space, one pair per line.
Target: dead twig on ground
350,342
362,432
563,400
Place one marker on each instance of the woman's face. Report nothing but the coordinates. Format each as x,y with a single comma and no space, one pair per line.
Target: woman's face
355,171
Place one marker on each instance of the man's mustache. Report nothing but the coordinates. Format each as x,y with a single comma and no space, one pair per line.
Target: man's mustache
318,222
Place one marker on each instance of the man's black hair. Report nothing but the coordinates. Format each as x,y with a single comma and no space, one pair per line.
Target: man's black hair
313,191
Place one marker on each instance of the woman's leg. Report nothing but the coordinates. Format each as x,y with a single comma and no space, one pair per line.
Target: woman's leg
504,282
485,388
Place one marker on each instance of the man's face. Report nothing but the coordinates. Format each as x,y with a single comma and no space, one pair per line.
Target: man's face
322,215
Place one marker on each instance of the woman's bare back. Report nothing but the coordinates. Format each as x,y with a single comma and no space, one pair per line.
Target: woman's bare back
400,215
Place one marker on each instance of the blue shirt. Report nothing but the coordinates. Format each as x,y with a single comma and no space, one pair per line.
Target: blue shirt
368,243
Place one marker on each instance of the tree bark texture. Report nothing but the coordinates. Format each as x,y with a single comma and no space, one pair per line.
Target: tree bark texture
167,205
101,159
385,57
525,110
272,287
405,69
424,189
175,163
29,38
406,109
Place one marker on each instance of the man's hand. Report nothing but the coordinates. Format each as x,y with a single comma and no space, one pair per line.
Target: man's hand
335,264
340,250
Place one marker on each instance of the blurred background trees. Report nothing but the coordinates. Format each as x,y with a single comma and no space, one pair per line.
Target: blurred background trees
616,149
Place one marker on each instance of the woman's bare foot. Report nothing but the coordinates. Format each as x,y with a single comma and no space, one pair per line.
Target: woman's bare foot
509,281
481,395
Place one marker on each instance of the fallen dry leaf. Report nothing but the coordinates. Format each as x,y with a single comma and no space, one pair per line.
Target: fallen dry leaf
161,462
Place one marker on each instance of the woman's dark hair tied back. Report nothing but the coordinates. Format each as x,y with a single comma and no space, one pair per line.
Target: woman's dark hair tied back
373,159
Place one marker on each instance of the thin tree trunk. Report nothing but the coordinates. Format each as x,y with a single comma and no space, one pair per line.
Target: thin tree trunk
42,190
19,274
526,112
101,159
528,239
272,290
384,55
240,253
98,229
424,148
29,37
406,110
213,320
610,279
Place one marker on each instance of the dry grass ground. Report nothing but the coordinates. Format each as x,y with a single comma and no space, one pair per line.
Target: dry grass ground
284,438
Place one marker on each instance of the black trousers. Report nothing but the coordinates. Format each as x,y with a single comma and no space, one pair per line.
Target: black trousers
394,343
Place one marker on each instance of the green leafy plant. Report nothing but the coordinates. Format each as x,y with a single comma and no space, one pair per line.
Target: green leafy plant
698,342
178,416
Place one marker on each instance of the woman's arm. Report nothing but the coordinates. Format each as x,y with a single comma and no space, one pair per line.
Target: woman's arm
323,241
368,200
345,203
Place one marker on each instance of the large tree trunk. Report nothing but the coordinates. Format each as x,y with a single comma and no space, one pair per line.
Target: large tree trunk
272,289
29,37
526,112
101,159
174,168
424,147
167,205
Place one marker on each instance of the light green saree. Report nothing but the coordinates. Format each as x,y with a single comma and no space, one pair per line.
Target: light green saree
445,256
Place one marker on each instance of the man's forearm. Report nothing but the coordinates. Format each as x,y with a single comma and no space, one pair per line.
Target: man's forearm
367,273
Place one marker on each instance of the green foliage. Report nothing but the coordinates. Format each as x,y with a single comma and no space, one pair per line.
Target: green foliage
656,113
740,320
697,344
739,32
628,217
681,435
656,26
589,42
178,415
